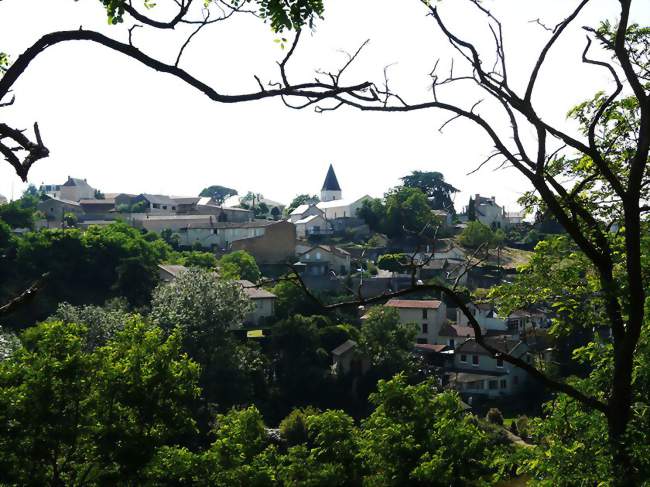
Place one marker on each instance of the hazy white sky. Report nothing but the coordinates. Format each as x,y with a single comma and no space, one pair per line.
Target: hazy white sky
127,128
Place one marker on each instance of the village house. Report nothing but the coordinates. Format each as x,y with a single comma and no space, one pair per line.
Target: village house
522,321
485,314
489,213
303,211
429,315
273,244
55,209
347,358
322,259
3,200
264,239
74,189
263,302
169,272
312,225
477,372
155,204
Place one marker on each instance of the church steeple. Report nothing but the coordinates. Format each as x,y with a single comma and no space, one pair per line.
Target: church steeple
331,189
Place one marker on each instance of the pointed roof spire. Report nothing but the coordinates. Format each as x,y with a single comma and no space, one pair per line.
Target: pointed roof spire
331,183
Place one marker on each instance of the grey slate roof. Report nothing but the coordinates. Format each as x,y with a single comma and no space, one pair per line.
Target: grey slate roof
159,199
344,347
331,183
76,182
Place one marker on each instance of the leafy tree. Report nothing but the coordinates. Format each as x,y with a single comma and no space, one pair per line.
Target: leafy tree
203,306
433,185
292,300
373,212
302,199
239,265
16,215
240,456
387,342
407,209
218,193
471,210
300,363
327,456
70,220
70,416
417,436
392,262
476,234
102,323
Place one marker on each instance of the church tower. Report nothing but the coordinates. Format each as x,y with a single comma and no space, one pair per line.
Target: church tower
331,189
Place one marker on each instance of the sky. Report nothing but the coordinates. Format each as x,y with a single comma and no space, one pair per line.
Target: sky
126,128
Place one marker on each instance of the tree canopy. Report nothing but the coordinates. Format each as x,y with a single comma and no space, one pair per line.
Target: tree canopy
433,184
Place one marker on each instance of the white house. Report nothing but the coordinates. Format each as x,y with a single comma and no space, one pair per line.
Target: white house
312,225
428,314
341,208
485,314
477,372
321,259
489,213
303,211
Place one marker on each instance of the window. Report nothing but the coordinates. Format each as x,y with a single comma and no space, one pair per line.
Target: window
452,343
463,358
475,360
504,384
306,256
174,208
493,384
317,255
499,362
156,205
425,314
421,341
164,207
215,231
425,328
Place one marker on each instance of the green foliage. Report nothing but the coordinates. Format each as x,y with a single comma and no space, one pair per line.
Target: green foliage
386,341
404,210
239,265
203,306
392,262
475,234
327,455
471,210
288,15
293,428
195,258
4,63
560,276
302,199
417,436
89,266
18,214
494,416
102,323
292,300
69,416
70,220
218,193
434,186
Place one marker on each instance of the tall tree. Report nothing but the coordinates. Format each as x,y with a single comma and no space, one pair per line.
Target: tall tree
434,186
218,193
